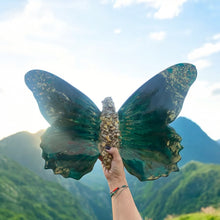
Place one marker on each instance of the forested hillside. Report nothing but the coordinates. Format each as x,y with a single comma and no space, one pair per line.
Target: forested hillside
195,186
24,195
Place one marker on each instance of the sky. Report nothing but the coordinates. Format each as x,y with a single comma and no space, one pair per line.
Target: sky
107,48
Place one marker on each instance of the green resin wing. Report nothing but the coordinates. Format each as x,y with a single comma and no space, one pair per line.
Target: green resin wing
149,146
70,145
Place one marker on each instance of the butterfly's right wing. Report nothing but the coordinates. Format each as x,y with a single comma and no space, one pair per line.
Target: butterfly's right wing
149,146
70,145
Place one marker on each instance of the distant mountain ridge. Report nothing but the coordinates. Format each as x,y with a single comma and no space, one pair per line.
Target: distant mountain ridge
197,144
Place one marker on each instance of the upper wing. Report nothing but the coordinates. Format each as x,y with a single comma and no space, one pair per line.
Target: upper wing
70,144
149,147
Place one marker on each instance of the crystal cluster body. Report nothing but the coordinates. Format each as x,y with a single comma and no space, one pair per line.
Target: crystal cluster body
109,131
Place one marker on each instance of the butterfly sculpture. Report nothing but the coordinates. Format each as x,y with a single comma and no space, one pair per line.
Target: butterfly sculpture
79,131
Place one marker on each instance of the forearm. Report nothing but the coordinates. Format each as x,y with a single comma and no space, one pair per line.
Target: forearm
123,205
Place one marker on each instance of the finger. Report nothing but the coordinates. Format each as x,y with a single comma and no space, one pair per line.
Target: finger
114,152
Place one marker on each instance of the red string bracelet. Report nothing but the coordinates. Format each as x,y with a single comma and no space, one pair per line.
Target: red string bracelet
114,191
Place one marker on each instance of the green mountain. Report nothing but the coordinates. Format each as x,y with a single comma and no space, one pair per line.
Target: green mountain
24,195
195,186
154,199
23,147
197,144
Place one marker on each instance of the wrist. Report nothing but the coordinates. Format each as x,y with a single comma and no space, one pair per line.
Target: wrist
117,183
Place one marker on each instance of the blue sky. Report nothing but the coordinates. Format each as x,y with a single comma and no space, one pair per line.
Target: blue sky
108,48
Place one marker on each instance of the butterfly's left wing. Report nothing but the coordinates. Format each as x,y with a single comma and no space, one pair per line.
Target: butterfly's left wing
149,146
70,145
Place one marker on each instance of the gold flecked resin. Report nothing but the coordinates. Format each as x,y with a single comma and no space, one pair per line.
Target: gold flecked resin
109,131
79,132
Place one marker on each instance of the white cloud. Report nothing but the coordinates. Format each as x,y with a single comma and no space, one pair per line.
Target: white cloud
201,64
205,50
33,24
216,37
168,9
164,9
117,31
34,34
157,35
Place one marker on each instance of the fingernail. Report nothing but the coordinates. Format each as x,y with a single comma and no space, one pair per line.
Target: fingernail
107,147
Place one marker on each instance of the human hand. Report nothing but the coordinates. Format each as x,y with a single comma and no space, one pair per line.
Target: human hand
123,207
116,175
